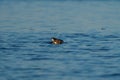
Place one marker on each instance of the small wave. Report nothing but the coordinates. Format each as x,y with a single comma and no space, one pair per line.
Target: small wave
111,75
76,35
42,58
111,36
108,56
25,69
82,34
6,48
96,50
28,77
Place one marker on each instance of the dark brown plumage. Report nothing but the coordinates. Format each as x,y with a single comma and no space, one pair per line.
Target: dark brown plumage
57,41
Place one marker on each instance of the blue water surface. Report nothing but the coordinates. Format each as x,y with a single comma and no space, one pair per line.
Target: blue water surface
90,30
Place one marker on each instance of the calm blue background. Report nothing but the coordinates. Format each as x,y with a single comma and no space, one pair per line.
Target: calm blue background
90,29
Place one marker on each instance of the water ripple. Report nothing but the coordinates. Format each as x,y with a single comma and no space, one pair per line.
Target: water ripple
111,75
82,55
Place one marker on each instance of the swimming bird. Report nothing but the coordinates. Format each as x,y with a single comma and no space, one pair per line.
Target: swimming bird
57,41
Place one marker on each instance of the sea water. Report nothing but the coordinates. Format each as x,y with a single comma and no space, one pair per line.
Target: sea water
90,30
